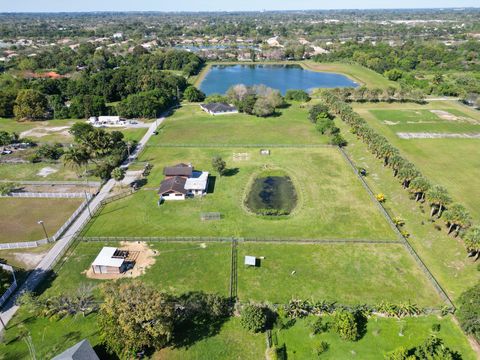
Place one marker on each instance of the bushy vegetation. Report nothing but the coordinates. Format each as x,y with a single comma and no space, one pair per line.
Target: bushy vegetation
256,100
297,95
432,348
254,317
468,313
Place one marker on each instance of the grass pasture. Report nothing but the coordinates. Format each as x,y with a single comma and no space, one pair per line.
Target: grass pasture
346,273
382,336
331,201
191,125
449,162
19,217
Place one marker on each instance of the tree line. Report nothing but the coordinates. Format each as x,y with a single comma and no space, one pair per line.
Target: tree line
456,217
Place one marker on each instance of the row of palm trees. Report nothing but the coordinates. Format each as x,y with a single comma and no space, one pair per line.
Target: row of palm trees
455,216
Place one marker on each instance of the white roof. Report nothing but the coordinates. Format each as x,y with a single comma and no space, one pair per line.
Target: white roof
104,258
109,118
250,260
198,181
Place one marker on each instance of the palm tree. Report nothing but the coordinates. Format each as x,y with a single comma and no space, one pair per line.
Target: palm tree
75,157
396,163
456,218
438,198
419,186
472,241
407,173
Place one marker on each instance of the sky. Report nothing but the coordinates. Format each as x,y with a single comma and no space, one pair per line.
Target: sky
218,5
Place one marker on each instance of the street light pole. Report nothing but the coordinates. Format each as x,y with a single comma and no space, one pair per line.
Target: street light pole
44,230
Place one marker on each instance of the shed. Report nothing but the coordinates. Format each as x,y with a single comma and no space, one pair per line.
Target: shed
250,260
80,351
110,260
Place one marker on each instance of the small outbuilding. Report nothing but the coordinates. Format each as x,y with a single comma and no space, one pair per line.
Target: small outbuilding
110,260
250,260
219,108
80,351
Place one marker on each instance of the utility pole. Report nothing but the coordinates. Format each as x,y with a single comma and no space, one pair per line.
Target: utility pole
88,202
40,222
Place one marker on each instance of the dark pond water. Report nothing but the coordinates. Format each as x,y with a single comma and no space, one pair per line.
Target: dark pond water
282,77
272,192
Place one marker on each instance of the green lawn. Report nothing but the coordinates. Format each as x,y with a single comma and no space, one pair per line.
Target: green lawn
29,171
19,217
382,336
231,343
449,162
346,273
357,72
191,125
331,200
443,255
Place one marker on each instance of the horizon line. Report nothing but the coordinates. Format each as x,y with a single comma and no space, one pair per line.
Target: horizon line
457,8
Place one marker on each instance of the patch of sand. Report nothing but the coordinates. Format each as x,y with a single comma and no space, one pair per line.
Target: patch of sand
39,132
241,156
145,259
388,122
29,259
44,172
445,115
425,135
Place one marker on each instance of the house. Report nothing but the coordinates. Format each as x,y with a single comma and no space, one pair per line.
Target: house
80,351
110,260
219,108
182,181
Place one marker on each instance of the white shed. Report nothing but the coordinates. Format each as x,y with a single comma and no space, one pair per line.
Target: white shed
108,261
250,260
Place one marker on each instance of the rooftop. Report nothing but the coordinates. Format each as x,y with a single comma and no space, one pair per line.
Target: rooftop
105,258
218,107
198,181
175,183
178,170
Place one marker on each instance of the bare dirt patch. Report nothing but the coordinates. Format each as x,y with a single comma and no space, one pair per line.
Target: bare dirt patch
40,132
30,260
44,172
425,135
391,123
445,115
241,156
145,259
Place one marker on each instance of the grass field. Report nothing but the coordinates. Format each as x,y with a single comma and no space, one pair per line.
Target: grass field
178,268
191,125
19,217
357,72
382,336
444,256
346,273
332,202
449,162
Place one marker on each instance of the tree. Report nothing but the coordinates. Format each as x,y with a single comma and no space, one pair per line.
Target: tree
81,302
263,107
394,74
472,240
468,313
297,95
399,354
7,187
254,318
338,140
135,317
219,165
7,102
75,157
419,186
85,106
319,111
345,325
118,174
31,105
438,198
192,94
407,173
456,217
50,152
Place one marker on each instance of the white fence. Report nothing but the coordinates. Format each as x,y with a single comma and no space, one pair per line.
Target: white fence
12,287
32,244
46,195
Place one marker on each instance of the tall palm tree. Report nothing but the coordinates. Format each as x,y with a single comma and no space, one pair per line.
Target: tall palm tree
438,198
396,163
419,186
472,241
456,218
75,157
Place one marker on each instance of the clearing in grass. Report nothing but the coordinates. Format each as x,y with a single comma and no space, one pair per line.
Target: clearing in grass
331,200
345,273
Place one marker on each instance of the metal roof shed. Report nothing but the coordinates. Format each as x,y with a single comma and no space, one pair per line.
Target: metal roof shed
250,260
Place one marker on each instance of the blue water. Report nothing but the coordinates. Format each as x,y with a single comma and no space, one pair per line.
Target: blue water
282,77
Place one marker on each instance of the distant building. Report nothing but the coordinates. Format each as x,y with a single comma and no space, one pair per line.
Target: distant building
99,121
219,108
80,351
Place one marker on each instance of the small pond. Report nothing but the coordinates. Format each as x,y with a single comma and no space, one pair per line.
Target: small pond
272,195
282,77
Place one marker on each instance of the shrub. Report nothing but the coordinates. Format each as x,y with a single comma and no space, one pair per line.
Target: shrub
297,95
118,174
345,325
192,94
321,348
436,327
468,312
7,188
380,197
338,140
318,326
254,318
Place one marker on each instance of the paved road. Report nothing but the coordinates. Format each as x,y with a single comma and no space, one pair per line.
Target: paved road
43,268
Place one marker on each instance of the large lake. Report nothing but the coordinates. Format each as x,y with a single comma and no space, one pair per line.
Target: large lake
282,77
